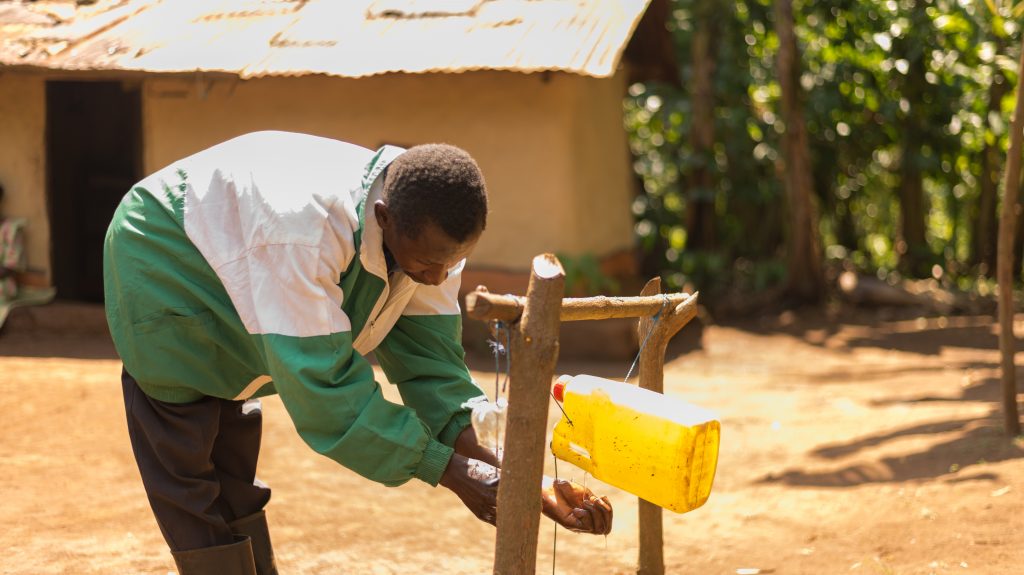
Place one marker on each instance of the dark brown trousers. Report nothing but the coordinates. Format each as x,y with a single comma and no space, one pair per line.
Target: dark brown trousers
198,464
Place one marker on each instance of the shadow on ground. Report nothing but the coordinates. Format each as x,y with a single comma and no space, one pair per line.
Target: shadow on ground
975,441
905,330
931,341
42,345
981,441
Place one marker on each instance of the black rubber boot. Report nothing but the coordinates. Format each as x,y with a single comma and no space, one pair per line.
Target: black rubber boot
255,526
233,559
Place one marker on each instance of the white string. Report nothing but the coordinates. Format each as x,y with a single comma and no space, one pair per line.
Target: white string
554,534
499,349
657,316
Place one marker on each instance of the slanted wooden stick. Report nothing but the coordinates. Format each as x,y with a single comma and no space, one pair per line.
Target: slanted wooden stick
535,340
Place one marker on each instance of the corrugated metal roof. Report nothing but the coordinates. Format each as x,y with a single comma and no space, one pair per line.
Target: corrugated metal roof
350,38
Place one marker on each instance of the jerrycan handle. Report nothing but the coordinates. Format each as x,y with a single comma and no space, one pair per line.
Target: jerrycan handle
564,446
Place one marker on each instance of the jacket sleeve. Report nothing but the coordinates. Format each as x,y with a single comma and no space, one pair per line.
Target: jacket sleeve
423,356
329,391
293,308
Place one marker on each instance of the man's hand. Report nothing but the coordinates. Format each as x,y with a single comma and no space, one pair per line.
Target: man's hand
467,445
476,484
473,475
575,507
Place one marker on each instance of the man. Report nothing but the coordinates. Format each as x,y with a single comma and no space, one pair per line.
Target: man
273,263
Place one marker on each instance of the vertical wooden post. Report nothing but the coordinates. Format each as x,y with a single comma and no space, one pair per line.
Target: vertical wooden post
652,376
535,349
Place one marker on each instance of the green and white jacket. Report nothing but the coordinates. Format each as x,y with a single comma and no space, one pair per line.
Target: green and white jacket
253,267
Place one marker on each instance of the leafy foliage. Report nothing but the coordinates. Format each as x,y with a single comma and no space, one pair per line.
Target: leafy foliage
888,84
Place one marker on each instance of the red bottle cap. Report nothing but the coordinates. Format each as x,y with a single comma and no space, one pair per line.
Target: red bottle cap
559,389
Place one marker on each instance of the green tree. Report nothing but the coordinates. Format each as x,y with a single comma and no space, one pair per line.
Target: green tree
905,105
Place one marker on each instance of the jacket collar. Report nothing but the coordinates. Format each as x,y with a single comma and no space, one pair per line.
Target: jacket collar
371,251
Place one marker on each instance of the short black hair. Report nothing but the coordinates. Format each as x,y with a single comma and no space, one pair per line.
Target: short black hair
440,183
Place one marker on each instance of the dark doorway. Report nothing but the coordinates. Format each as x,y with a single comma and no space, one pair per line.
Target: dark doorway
94,155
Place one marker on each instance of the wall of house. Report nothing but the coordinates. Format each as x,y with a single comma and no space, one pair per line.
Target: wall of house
551,146
23,164
604,185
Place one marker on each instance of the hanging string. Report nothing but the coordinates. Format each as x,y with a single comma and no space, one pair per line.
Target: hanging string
501,346
657,316
499,349
554,534
508,355
560,408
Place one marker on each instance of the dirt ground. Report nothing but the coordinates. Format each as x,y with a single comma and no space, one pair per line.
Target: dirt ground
860,445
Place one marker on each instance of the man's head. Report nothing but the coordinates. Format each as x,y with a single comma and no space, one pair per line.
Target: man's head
433,210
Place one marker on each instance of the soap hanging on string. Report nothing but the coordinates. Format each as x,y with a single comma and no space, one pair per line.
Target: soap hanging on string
489,423
488,417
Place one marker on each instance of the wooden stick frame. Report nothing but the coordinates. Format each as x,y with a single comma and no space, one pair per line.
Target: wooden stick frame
534,324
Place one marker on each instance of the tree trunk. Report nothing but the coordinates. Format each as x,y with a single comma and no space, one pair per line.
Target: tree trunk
913,250
846,228
806,280
826,177
700,205
911,245
1018,236
983,238
1005,271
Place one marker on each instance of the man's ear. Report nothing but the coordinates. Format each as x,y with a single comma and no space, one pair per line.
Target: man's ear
380,211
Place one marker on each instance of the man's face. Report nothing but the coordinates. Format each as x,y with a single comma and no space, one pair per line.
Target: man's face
426,258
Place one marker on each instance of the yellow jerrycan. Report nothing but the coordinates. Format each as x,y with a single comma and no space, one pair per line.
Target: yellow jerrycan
654,446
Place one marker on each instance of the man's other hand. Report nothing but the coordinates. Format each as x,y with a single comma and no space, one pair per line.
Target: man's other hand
575,507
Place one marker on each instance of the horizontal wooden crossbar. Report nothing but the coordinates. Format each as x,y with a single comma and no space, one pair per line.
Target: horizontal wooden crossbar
486,306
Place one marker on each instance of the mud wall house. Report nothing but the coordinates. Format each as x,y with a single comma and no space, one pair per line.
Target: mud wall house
95,95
